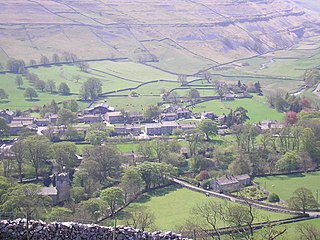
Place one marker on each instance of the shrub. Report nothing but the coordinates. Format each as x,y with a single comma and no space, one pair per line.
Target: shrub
273,198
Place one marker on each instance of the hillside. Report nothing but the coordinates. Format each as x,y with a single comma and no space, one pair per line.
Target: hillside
195,33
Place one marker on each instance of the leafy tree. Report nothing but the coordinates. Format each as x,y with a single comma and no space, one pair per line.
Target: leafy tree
55,58
288,162
145,150
240,166
97,137
37,151
155,174
113,197
19,81
131,183
78,194
44,60
193,95
84,66
107,160
61,214
32,62
94,207
30,93
152,112
312,77
71,105
91,89
82,179
302,200
208,127
3,94
66,117
51,86
18,150
4,128
65,154
140,218
64,89
26,201
16,66
160,147
273,198
5,185
40,85
291,117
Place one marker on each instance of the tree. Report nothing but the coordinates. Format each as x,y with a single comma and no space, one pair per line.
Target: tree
182,80
140,218
40,85
84,66
85,184
55,58
71,105
65,154
26,201
19,81
312,77
240,166
106,161
291,117
18,150
91,89
44,60
302,200
94,207
145,150
37,151
208,127
113,197
30,93
97,137
273,198
131,183
308,232
288,162
51,86
3,94
4,128
16,66
61,214
65,117
64,89
155,174
193,95
160,148
152,112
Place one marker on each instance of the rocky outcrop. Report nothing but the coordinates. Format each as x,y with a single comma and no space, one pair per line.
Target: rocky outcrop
40,230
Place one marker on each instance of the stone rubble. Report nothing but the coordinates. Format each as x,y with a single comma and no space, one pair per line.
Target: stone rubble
16,230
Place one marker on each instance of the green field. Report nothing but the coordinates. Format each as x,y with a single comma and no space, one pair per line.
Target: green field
293,234
285,185
172,206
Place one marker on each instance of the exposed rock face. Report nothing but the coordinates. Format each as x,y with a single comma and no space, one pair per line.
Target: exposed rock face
16,230
203,30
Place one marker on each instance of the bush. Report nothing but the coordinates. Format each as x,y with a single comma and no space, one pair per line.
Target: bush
273,198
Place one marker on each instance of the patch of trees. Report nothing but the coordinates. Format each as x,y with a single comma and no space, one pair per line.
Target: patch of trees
239,218
91,89
285,102
16,66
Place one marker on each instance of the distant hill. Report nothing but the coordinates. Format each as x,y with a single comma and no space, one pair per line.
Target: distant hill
195,32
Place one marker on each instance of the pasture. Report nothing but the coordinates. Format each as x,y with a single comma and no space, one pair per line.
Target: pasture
172,206
285,185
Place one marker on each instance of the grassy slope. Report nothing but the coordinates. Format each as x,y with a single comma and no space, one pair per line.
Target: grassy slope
172,206
285,185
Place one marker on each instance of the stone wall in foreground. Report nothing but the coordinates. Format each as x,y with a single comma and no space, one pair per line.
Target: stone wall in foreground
40,230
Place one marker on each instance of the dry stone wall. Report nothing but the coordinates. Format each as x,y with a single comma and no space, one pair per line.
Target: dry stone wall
40,230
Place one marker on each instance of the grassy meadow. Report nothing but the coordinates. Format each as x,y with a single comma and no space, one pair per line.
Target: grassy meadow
172,206
285,185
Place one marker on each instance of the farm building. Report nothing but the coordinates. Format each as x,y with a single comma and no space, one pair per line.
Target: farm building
230,183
